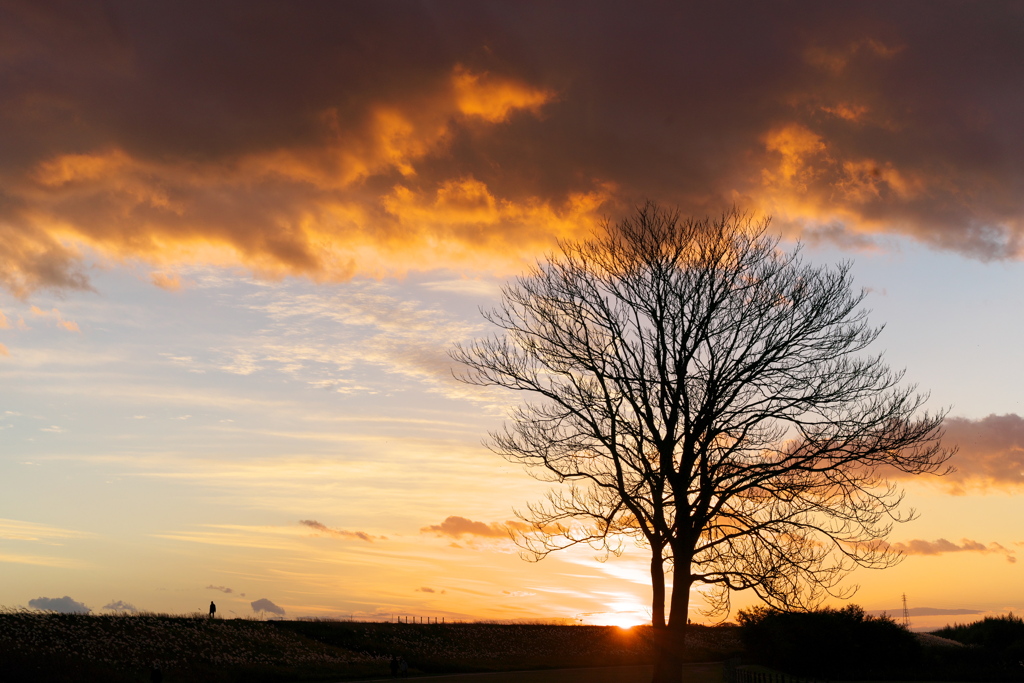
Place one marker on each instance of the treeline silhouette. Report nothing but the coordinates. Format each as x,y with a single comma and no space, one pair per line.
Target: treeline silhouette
997,642
847,644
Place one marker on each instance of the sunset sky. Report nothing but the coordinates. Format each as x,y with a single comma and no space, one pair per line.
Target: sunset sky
238,240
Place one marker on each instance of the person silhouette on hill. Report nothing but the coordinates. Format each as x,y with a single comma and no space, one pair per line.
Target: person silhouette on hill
213,609
394,666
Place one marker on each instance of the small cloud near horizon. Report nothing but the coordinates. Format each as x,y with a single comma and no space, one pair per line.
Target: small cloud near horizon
264,605
222,589
121,606
65,605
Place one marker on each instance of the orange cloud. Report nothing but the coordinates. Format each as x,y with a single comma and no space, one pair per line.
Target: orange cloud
846,110
457,527
35,258
170,282
942,546
305,210
462,221
806,180
68,325
990,453
493,98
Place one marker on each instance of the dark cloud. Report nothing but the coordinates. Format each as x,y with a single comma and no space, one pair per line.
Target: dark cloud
374,138
264,605
64,605
222,589
121,606
341,533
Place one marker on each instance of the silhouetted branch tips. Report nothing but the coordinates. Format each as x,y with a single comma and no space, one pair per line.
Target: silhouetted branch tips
709,396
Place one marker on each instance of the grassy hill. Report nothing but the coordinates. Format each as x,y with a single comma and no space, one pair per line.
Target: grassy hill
115,649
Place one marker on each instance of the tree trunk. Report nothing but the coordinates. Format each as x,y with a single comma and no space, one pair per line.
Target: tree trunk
670,642
657,590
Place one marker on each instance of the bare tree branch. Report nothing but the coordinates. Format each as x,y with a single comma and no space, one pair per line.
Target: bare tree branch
710,397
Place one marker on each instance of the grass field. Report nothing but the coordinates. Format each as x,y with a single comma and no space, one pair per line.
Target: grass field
694,673
63,648
38,646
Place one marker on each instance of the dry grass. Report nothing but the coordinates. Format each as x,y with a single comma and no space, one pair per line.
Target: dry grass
123,648
693,673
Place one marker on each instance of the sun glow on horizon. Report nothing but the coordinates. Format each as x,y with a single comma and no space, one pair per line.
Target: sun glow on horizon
624,620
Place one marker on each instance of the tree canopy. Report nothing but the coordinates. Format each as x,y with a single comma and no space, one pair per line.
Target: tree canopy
710,396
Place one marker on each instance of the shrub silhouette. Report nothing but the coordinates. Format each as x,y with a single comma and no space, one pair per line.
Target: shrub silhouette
832,643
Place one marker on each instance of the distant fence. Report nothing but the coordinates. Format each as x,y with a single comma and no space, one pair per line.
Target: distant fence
393,619
735,672
414,619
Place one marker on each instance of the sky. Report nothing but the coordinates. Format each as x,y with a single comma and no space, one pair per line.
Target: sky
237,241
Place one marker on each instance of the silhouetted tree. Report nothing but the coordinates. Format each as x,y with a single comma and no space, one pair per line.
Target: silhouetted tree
705,394
1002,636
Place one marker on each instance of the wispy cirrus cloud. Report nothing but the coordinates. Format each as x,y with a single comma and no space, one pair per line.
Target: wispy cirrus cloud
339,533
457,527
18,530
325,338
58,317
41,560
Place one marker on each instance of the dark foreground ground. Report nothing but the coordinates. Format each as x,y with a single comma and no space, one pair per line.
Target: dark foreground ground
709,672
120,649
835,645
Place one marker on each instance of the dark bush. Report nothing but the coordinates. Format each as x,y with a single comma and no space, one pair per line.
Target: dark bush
830,643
